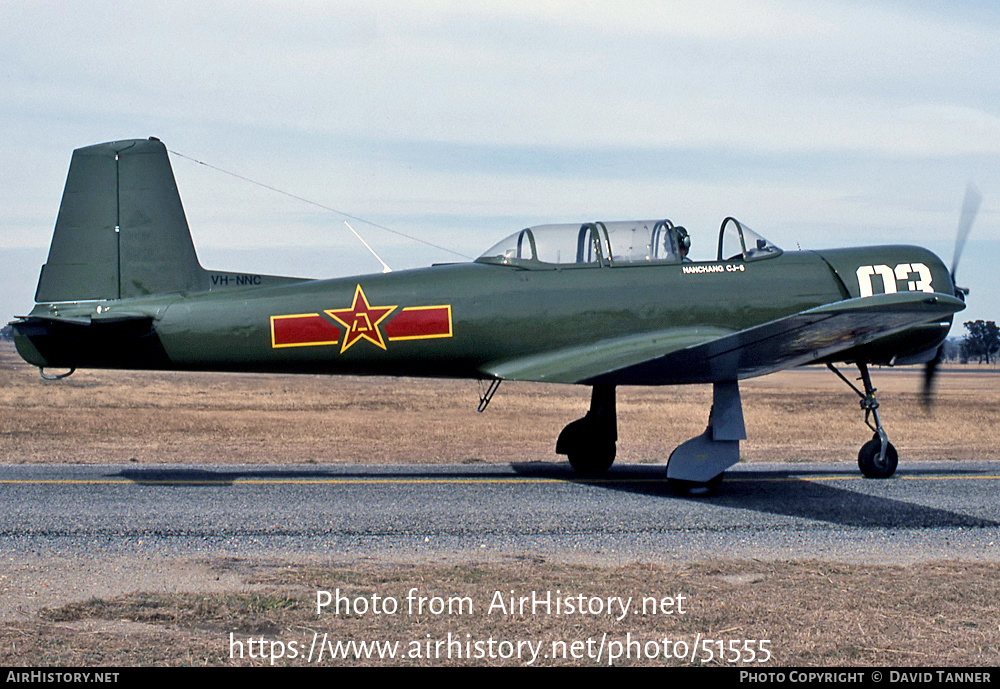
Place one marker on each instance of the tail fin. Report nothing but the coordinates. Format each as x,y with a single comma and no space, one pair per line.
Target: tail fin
121,230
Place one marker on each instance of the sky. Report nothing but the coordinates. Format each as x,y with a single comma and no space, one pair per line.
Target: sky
818,124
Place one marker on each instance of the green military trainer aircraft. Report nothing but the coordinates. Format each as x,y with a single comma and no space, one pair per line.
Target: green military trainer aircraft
601,304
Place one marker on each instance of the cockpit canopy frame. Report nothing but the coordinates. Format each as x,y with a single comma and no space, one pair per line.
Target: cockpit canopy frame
737,242
624,243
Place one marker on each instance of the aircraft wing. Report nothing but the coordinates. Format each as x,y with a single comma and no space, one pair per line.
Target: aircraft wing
703,355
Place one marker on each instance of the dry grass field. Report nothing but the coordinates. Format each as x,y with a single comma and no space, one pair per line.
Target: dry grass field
815,613
152,417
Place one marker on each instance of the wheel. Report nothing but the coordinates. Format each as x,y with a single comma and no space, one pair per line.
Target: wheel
695,489
594,461
589,445
868,459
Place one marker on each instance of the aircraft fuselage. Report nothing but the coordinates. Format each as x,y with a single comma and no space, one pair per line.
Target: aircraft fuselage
454,320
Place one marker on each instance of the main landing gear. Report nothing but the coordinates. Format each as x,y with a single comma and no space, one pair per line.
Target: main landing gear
877,458
590,442
695,468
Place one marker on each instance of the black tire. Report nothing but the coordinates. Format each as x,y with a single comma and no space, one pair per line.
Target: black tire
868,459
594,461
695,489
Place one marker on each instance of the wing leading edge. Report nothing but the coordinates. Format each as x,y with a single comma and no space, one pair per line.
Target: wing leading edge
704,355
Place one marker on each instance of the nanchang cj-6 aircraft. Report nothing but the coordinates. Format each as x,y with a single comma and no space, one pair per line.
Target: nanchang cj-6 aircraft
601,304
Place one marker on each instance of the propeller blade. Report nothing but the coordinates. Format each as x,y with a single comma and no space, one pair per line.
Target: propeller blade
970,207
930,370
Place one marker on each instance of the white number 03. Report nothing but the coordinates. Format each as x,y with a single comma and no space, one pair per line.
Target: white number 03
890,277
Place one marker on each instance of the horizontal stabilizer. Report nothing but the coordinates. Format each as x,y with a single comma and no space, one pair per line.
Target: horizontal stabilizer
84,321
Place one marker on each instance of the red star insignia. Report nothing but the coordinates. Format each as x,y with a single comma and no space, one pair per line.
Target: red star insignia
361,320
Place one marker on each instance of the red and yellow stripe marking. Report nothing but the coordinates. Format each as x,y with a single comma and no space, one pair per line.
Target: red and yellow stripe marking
420,323
361,321
302,330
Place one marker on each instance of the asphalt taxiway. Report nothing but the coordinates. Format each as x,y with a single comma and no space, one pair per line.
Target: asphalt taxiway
935,510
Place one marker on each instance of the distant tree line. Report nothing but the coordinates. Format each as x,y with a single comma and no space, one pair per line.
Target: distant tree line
6,333
982,343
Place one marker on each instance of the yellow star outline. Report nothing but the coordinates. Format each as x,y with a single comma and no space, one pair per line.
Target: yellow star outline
361,320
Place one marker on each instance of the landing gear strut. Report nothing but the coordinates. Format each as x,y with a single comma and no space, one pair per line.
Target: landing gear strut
877,458
589,443
695,467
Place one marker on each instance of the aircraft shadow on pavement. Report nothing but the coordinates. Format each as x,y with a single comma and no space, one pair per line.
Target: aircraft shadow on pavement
784,493
793,494
187,476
